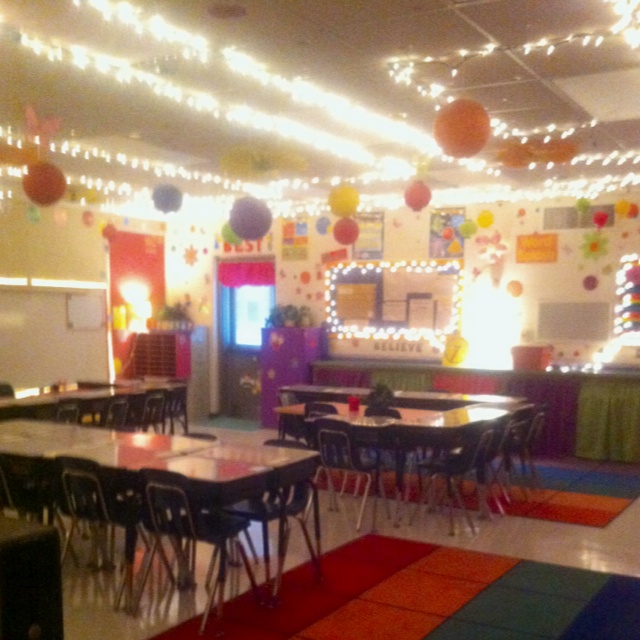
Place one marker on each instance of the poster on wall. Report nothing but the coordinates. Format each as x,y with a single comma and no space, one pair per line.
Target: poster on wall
370,242
537,247
295,240
445,239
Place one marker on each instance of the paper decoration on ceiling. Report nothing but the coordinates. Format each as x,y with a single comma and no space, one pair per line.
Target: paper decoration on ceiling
344,201
167,198
417,195
600,219
346,231
229,236
190,255
517,155
250,218
261,163
462,128
626,209
43,183
39,128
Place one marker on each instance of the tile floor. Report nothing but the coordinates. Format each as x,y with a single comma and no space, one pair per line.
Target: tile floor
88,595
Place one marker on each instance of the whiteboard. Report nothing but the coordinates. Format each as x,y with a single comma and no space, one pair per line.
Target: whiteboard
38,343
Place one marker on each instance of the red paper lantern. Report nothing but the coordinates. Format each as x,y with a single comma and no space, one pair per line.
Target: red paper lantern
600,218
44,183
109,231
346,231
633,210
462,128
417,195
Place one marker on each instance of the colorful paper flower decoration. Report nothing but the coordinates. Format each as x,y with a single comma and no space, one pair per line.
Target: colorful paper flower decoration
250,218
44,183
346,231
167,198
492,249
344,201
417,195
594,245
462,128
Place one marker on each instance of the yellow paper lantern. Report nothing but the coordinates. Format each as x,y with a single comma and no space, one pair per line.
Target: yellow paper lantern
344,201
485,219
622,207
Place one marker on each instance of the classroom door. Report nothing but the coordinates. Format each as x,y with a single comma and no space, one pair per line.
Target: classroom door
244,308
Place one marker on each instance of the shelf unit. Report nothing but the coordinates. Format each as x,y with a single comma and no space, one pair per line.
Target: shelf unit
164,354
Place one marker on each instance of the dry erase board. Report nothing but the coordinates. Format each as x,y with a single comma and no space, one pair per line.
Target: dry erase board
48,335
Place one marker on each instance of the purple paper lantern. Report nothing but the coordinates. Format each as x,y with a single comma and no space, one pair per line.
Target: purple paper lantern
250,218
167,198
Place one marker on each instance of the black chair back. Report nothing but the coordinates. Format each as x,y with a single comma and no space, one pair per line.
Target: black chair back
6,390
82,490
115,416
153,412
68,411
317,409
28,484
387,412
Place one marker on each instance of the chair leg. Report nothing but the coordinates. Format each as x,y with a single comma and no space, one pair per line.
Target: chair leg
367,486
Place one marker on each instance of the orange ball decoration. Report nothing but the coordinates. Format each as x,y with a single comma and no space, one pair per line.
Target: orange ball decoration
44,183
462,128
515,288
633,210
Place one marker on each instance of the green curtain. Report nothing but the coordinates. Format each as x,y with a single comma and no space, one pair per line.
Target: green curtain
403,380
608,425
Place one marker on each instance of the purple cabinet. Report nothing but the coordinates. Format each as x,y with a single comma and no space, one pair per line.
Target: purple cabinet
286,357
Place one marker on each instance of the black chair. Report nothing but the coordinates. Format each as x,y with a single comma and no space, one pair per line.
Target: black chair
452,465
313,410
288,497
115,414
153,412
67,411
176,408
6,390
340,450
27,486
176,511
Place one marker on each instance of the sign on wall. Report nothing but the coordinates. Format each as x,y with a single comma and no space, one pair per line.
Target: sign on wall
295,240
445,239
537,247
370,242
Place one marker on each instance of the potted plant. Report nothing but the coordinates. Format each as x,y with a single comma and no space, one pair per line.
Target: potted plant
175,317
291,315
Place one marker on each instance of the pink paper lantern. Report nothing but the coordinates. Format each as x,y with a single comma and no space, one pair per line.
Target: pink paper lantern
417,195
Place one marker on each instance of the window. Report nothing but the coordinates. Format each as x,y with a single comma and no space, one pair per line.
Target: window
248,308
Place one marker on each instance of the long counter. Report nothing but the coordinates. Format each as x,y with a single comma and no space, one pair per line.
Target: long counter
589,415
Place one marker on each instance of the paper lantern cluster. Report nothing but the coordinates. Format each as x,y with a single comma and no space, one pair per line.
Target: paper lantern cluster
344,201
516,155
43,183
417,195
626,209
167,198
462,128
250,218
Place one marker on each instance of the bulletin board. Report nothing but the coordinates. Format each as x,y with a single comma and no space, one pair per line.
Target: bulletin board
46,336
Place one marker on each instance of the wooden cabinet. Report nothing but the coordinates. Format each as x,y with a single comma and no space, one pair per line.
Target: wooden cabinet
164,354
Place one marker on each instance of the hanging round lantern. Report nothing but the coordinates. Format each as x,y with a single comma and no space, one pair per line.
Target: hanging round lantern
485,219
514,155
515,288
462,128
468,229
346,231
44,183
250,218
590,283
600,218
632,275
109,231
344,200
583,205
633,210
167,198
417,195
229,236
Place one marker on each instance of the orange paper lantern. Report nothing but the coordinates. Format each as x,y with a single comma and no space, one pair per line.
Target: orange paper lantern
44,183
462,128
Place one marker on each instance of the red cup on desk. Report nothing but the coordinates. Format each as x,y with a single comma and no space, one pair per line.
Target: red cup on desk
354,404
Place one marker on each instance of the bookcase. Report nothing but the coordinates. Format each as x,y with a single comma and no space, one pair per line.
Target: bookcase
165,354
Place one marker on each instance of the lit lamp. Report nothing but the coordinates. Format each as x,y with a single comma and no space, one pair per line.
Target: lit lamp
138,311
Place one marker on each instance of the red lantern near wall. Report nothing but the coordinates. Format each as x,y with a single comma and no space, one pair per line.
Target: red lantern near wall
417,195
346,231
462,128
44,183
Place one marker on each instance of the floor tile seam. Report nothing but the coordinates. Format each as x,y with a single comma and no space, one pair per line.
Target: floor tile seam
441,574
398,607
